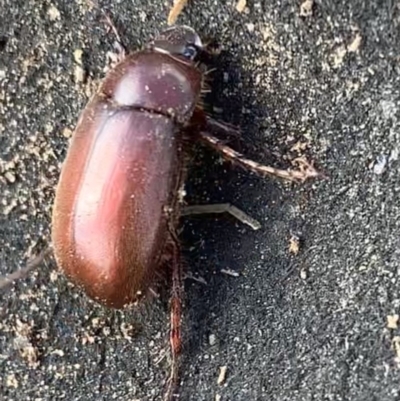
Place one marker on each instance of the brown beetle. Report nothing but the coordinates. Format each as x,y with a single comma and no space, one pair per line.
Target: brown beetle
117,202
116,199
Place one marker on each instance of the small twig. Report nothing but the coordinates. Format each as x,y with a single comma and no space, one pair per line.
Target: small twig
230,272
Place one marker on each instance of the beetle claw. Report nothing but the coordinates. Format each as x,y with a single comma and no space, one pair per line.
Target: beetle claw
308,169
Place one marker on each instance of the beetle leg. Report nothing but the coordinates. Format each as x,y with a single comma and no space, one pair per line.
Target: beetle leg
305,172
121,50
213,125
6,281
222,208
207,123
176,316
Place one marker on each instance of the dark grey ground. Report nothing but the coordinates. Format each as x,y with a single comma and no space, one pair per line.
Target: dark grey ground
311,326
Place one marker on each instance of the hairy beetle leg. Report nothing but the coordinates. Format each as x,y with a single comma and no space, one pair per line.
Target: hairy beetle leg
222,208
305,172
176,318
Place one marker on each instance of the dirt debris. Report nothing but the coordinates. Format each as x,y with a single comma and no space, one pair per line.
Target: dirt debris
241,5
222,374
306,8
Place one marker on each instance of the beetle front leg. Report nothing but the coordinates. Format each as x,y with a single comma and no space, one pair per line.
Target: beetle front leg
204,122
305,172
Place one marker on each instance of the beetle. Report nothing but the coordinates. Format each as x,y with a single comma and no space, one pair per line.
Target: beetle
117,202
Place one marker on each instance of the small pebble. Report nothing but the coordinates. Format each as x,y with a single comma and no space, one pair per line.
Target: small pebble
53,13
392,321
250,27
240,6
222,374
212,339
10,177
380,165
394,154
306,8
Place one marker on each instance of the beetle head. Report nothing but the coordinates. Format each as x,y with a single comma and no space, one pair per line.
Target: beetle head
179,40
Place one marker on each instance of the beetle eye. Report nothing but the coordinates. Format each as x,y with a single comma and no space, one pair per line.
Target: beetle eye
190,52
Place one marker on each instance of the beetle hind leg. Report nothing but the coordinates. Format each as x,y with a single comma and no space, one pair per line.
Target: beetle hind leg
176,318
306,170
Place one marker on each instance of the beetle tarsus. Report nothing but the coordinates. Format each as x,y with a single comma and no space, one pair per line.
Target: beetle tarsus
305,172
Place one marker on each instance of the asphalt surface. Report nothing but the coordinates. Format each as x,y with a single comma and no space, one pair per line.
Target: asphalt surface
319,324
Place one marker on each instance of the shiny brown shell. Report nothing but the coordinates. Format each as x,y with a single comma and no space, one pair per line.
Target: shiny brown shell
119,182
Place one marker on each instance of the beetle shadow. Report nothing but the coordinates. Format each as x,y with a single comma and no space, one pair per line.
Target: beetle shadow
214,243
